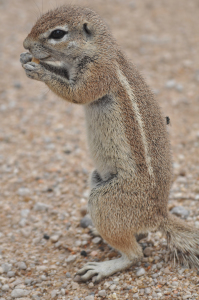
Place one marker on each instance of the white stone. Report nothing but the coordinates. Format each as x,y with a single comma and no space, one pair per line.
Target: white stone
18,293
90,285
74,286
5,287
140,272
6,267
23,191
63,292
16,282
22,266
147,291
102,293
41,268
170,84
180,211
23,222
96,240
112,287
41,206
90,297
71,258
53,294
54,238
25,213
26,232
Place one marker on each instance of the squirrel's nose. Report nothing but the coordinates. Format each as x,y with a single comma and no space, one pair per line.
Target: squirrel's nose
26,44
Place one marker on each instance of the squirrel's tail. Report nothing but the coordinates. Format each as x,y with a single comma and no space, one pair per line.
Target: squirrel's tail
183,241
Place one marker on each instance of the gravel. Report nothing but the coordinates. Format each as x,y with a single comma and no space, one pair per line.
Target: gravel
44,162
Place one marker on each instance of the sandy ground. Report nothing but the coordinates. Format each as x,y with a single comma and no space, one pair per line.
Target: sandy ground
45,165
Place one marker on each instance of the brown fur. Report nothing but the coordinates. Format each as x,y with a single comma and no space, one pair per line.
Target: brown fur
126,132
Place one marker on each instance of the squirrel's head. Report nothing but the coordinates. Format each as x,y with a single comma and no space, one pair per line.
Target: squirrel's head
66,35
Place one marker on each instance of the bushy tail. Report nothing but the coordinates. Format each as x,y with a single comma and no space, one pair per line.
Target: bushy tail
183,241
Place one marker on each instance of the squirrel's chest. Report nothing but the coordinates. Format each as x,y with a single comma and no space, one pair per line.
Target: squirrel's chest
107,141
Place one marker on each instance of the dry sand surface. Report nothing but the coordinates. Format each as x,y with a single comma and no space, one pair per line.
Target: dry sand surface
45,165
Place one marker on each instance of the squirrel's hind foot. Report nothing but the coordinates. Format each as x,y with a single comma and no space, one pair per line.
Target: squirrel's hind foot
104,269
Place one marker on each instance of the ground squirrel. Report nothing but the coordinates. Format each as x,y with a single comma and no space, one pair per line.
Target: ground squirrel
78,59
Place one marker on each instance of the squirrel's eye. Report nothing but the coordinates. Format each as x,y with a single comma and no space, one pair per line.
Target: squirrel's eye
57,34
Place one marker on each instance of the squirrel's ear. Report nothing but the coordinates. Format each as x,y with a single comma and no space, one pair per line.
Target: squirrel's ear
87,28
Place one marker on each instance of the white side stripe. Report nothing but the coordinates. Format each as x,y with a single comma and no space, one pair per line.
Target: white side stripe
132,97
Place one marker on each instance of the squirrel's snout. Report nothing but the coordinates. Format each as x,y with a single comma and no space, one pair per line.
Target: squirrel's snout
26,44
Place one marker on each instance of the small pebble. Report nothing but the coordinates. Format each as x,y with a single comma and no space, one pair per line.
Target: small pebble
174,283
46,236
11,274
140,272
159,295
147,291
186,297
18,293
21,265
84,210
180,211
28,281
83,253
23,191
16,282
53,294
102,293
90,297
112,287
54,238
94,253
23,222
170,84
74,286
63,292
148,251
26,232
71,258
43,277
68,275
6,267
41,207
86,221
96,240
5,288
25,213
90,285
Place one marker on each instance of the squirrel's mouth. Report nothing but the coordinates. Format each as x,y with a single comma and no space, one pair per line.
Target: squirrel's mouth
42,59
47,60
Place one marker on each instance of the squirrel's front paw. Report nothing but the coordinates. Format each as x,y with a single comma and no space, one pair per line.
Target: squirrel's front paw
34,71
25,57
